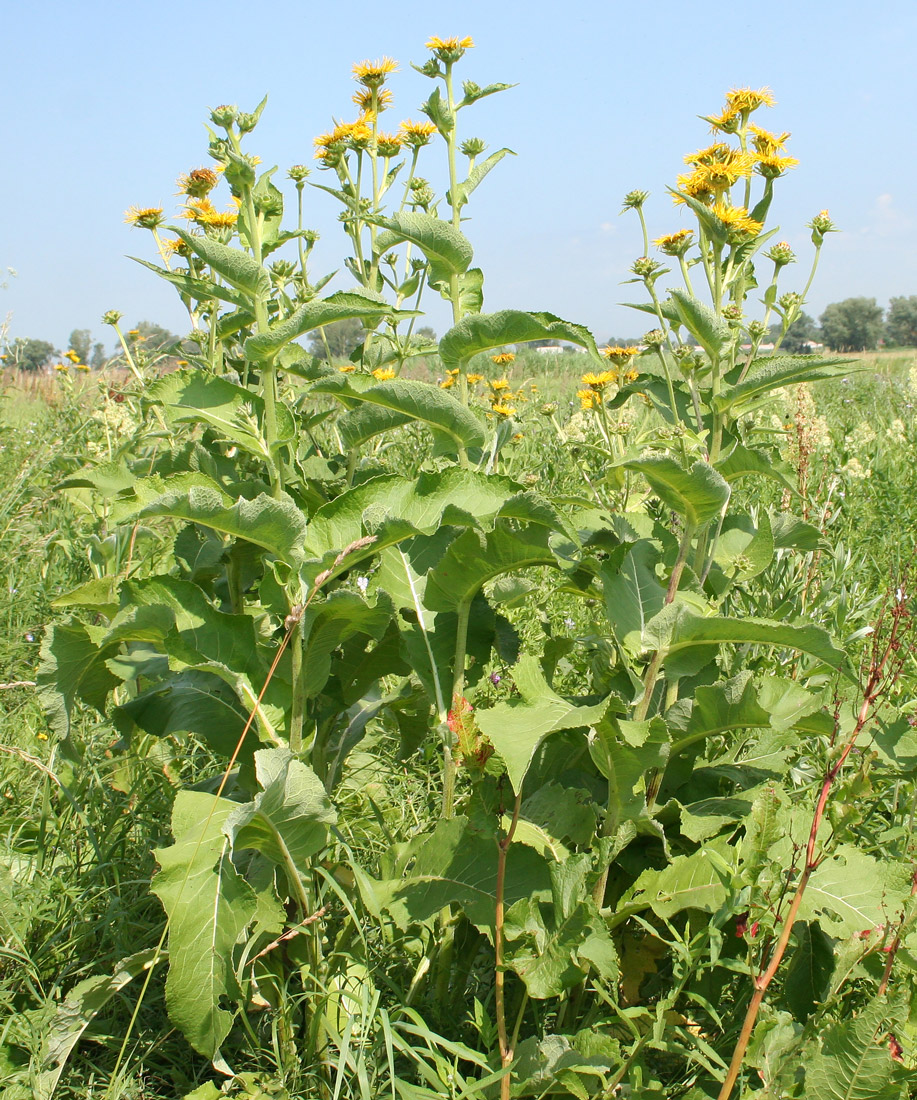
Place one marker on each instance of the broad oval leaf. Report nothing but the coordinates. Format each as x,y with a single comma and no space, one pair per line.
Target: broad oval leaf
699,493
482,331
772,373
448,250
710,331
237,267
344,305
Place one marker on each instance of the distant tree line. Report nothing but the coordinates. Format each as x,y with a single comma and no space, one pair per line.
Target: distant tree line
29,354
856,324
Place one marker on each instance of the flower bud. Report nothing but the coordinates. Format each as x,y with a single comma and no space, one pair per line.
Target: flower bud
633,200
756,329
655,338
781,254
298,173
473,147
111,317
224,116
820,225
647,268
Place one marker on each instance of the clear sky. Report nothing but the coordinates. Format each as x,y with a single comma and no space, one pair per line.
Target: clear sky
104,106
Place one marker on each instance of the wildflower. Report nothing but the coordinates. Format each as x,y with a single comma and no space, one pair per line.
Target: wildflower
369,99
619,355
748,100
363,584
84,367
675,244
417,134
111,317
447,384
820,225
633,200
495,678
718,151
135,333
373,73
473,147
736,219
503,410
198,183
498,384
781,254
144,217
62,368
388,145
176,246
224,115
473,379
727,121
631,375
298,173
384,374
72,356
347,368
589,399
655,338
503,358
449,50
646,268
773,166
766,143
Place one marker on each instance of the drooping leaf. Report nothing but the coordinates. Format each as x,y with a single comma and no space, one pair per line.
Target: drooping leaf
517,729
852,891
699,493
711,332
689,882
480,170
448,250
767,375
237,267
328,624
633,593
209,905
343,305
482,331
626,753
200,290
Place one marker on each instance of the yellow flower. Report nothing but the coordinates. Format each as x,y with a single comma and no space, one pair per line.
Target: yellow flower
772,166
736,218
62,368
619,355
449,49
503,358
202,212
83,367
589,399
144,217
388,145
766,143
747,99
417,134
72,356
348,368
599,381
498,384
503,410
631,375
384,374
198,182
447,383
135,332
727,120
363,98
473,379
175,245
675,244
718,151
373,73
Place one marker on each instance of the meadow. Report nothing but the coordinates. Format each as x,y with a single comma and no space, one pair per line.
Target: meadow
455,719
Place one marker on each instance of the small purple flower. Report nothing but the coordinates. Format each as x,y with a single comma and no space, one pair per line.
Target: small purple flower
495,677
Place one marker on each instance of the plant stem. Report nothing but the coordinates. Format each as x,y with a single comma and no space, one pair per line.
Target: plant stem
506,1046
458,690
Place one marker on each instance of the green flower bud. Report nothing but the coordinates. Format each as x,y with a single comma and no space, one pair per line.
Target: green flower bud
224,116
633,200
112,317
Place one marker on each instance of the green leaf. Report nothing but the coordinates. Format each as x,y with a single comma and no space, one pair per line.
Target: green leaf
277,526
745,462
455,864
288,821
853,1062
471,292
689,882
400,401
464,189
852,891
480,332
743,550
633,594
772,373
237,267
77,1011
517,729
624,752
448,251
710,331
699,493
201,290
209,906
471,561
342,306
332,622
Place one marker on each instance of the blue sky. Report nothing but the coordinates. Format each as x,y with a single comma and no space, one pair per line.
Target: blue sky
105,105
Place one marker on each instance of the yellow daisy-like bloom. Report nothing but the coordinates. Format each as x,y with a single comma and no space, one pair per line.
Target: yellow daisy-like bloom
176,246
766,143
363,98
220,219
62,368
747,99
736,218
727,120
373,73
449,49
84,367
589,399
388,145
773,166
348,368
144,217
473,379
620,355
447,384
498,384
384,374
503,358
503,410
631,375
417,134
718,151
675,244
72,356
135,332
695,184
198,182
598,380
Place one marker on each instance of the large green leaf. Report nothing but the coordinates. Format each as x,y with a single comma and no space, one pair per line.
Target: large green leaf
209,906
851,891
456,864
288,821
480,170
343,305
517,729
237,267
625,752
710,331
402,401
699,493
853,1062
633,594
447,249
744,462
332,622
472,560
201,290
772,373
482,331
71,667
689,882
277,526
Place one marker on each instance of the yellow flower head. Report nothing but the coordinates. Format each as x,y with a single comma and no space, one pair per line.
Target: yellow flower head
620,355
599,381
473,379
176,246
718,151
773,166
72,356
747,99
727,120
589,399
203,213
83,367
373,73
388,145
144,217
503,410
198,182
631,375
503,358
498,384
384,374
766,143
417,134
675,244
348,368
62,368
363,97
449,50
447,383
736,219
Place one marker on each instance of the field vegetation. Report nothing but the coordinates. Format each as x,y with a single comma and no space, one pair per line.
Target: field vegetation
444,718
